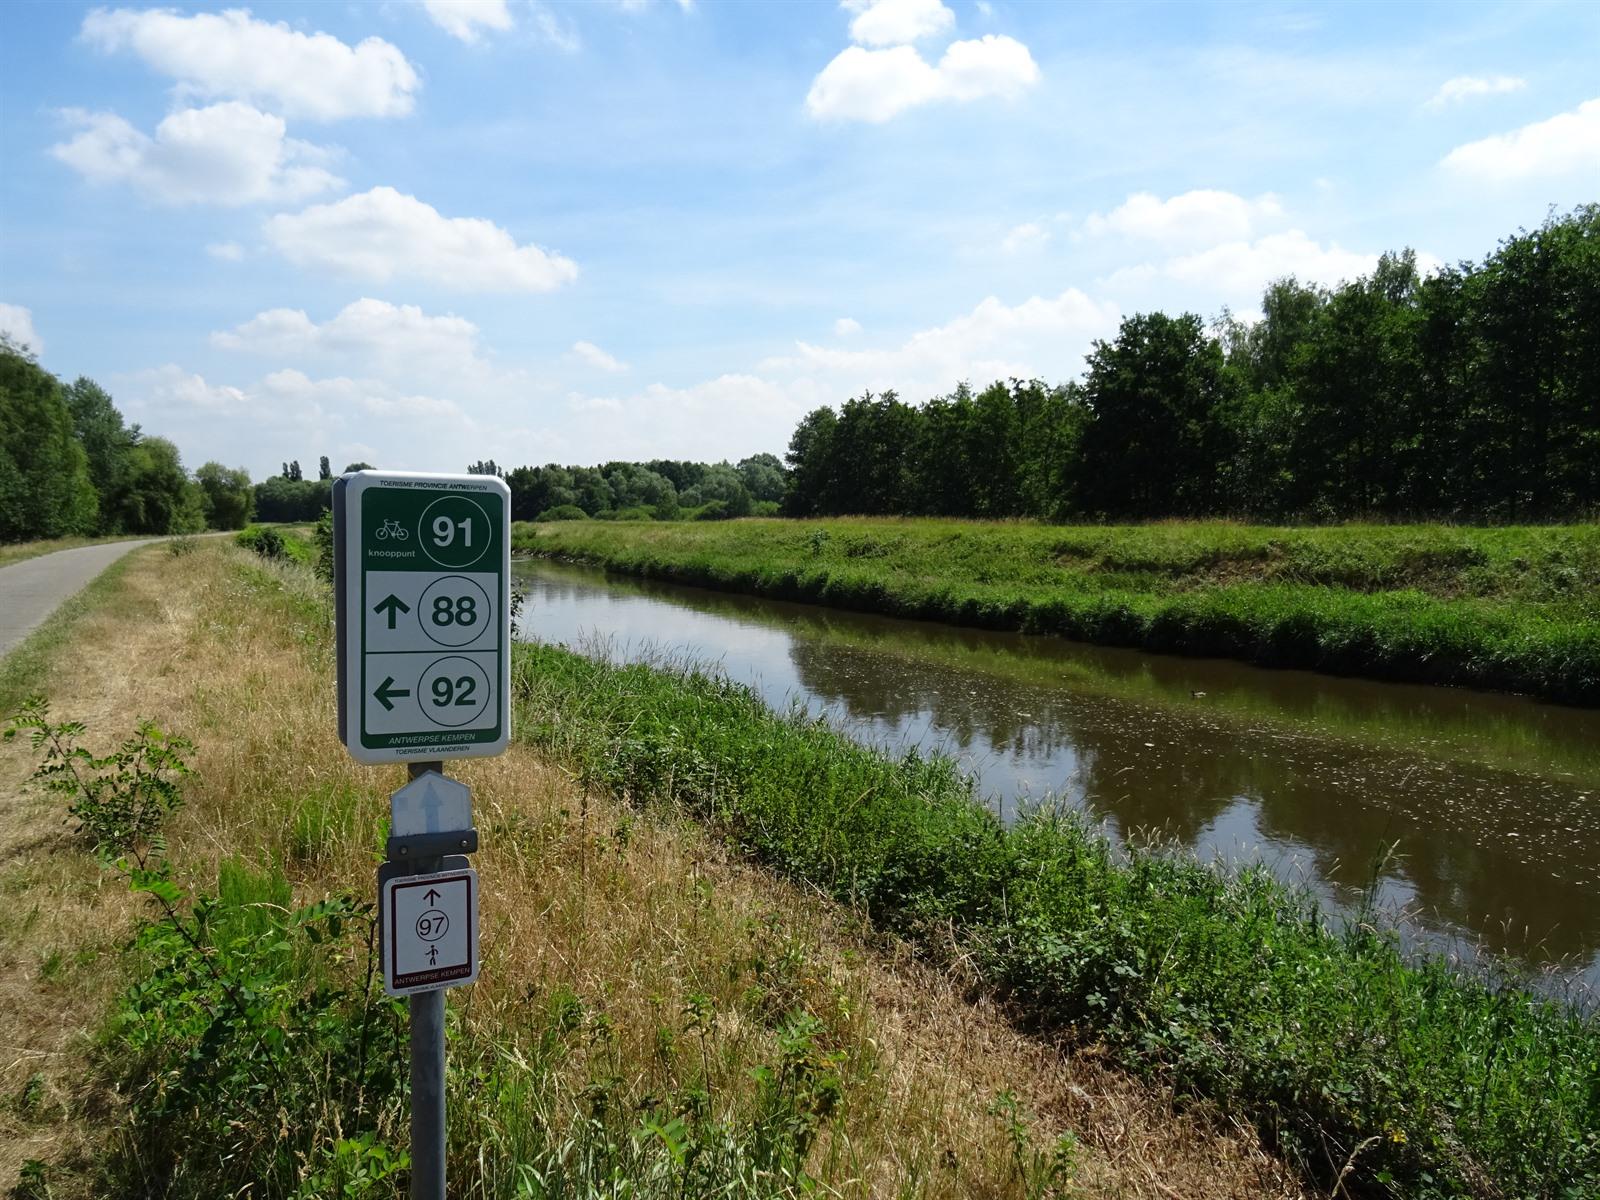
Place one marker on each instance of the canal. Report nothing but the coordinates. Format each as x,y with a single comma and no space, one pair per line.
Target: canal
1469,819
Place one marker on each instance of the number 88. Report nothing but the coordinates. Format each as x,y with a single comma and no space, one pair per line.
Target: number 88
463,610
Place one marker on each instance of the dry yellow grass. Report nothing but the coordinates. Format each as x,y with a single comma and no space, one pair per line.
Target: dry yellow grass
639,918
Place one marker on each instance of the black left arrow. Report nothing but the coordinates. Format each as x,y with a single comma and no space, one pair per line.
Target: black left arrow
386,691
393,605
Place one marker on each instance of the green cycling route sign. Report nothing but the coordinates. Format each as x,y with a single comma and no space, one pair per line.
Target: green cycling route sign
422,569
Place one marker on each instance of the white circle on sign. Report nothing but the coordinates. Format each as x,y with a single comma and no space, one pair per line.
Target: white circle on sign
454,531
453,691
454,611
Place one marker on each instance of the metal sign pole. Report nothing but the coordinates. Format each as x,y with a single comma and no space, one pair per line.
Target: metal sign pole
422,567
427,1064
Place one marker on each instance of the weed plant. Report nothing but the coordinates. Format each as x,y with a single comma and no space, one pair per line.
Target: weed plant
1515,609
120,800
1374,1072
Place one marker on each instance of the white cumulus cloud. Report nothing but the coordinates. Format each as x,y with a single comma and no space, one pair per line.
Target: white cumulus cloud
467,19
876,85
1030,235
1235,273
170,388
1252,265
1043,335
591,354
16,323
1564,144
1466,87
731,416
1195,217
393,338
383,234
356,398
846,327
292,400
897,22
227,153
232,55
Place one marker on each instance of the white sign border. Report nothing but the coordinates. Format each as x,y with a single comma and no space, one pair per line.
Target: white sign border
355,484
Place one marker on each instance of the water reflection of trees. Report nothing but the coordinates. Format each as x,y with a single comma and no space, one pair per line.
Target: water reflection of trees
1335,804
1150,770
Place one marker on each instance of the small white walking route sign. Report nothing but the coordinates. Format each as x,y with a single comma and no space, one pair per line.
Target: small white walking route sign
429,931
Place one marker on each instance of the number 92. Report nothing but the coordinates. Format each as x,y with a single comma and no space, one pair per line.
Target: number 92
459,692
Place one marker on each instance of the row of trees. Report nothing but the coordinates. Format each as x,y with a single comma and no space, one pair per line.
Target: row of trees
663,489
70,465
1474,392
290,496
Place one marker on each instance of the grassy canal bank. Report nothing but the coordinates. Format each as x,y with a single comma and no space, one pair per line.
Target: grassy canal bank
657,1015
1396,1077
1514,609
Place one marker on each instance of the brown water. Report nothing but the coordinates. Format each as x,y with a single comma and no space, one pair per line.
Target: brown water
1470,817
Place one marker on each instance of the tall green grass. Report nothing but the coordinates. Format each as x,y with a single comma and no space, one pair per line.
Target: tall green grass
1514,609
1415,1078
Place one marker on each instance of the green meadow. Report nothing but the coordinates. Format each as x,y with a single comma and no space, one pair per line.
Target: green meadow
1510,608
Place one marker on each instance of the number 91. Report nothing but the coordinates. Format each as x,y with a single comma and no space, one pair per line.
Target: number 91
444,531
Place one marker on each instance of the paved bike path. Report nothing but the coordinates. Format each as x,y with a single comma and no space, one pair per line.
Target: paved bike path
35,587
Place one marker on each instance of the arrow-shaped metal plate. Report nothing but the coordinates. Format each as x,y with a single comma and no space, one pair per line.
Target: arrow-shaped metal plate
430,803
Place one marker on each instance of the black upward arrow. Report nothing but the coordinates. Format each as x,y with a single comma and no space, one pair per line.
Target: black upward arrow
393,605
431,897
387,690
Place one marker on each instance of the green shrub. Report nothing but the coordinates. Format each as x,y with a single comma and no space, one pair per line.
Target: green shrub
322,540
563,512
264,540
248,1057
713,510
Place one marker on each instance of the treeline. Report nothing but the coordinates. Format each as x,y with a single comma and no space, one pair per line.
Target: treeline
661,490
1471,393
70,465
290,496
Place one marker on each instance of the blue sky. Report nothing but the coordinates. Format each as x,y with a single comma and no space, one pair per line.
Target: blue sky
419,232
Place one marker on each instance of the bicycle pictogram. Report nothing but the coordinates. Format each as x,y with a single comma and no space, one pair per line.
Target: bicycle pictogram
393,529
